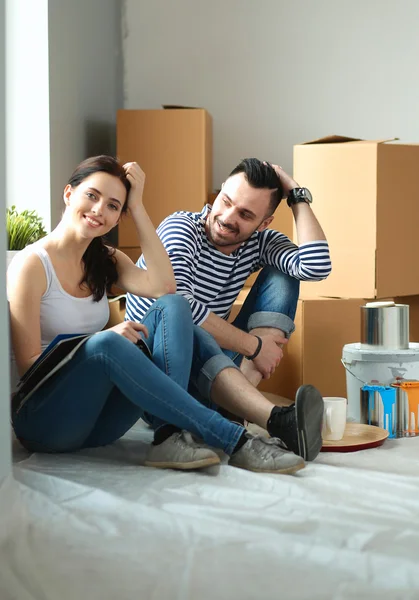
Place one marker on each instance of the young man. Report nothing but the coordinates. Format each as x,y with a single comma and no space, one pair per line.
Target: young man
213,253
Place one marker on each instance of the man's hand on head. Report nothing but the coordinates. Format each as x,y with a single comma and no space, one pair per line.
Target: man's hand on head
288,183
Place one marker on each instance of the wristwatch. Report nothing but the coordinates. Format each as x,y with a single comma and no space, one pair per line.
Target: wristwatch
299,195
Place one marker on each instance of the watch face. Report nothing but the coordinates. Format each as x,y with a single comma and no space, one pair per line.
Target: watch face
300,195
304,195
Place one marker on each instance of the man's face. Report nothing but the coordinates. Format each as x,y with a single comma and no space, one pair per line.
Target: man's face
237,212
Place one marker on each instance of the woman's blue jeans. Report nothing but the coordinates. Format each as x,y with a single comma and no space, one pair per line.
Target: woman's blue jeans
110,384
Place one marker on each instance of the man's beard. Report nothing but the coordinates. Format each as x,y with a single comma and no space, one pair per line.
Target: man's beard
218,240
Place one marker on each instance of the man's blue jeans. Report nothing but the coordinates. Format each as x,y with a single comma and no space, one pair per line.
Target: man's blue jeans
271,302
110,383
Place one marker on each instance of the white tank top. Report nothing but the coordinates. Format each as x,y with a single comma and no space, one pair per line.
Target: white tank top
61,312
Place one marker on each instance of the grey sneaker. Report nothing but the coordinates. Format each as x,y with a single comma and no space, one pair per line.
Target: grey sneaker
265,455
218,451
181,452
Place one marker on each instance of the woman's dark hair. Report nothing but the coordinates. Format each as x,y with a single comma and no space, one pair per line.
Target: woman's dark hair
260,174
99,262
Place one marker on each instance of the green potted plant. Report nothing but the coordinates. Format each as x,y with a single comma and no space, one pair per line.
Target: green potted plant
23,228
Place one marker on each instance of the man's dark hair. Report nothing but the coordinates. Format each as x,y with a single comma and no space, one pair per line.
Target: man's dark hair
261,175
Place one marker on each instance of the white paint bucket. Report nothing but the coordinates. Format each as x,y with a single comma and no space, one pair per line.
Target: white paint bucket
385,367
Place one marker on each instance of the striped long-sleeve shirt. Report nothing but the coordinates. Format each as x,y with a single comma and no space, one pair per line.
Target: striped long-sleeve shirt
211,280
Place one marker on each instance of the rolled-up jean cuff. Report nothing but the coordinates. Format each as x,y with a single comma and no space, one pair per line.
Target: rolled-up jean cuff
272,319
209,372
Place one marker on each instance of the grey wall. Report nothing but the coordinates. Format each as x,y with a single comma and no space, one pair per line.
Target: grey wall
64,84
5,438
85,85
27,107
274,73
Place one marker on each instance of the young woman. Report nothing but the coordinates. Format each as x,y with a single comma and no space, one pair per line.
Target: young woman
58,285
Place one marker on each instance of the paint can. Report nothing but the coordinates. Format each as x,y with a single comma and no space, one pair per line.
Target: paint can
407,398
379,407
394,408
385,325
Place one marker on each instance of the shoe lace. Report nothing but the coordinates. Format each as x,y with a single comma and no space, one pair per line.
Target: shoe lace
185,437
264,446
287,415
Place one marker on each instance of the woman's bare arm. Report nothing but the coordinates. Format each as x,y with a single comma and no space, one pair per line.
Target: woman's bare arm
26,283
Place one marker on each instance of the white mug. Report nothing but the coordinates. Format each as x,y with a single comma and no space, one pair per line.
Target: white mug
334,418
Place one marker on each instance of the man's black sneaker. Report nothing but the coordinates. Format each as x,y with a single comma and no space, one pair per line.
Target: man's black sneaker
299,426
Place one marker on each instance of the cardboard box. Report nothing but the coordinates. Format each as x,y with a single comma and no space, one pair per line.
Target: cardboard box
133,253
238,303
212,196
364,201
174,148
413,302
116,311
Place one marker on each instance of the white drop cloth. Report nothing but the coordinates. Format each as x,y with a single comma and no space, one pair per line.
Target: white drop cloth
96,525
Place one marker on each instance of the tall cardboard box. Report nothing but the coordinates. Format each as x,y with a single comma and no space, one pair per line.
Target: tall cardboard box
365,199
313,354
413,303
174,149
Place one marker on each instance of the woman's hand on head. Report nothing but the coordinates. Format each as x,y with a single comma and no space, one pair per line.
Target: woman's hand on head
136,177
130,330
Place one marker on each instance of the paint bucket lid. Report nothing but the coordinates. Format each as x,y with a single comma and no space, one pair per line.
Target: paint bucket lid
380,304
356,352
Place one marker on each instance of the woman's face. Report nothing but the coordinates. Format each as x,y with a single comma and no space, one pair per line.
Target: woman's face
95,205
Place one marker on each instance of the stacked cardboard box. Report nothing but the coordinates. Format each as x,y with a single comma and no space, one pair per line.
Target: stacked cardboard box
173,146
365,199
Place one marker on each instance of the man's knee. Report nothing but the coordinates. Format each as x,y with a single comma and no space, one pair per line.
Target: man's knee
275,277
276,297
